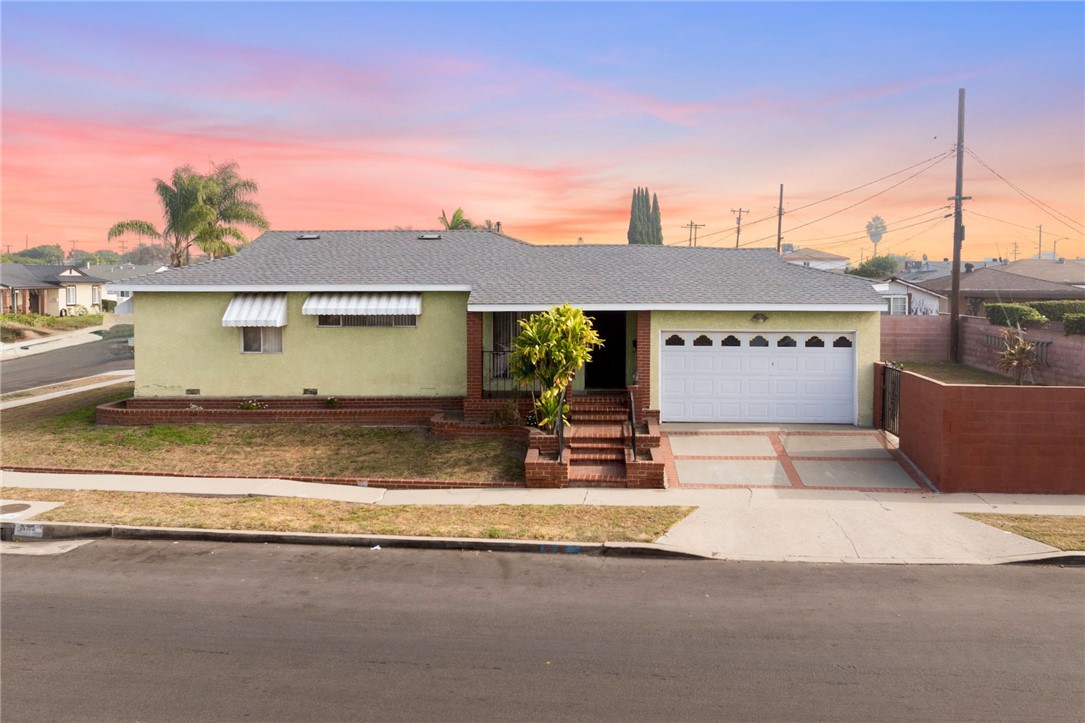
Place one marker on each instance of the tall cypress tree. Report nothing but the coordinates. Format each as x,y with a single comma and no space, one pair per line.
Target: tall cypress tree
656,222
645,225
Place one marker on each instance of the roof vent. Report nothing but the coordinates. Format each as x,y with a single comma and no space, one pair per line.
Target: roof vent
1062,259
308,237
430,237
968,268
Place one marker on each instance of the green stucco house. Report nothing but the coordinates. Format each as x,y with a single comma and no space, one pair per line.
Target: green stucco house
698,334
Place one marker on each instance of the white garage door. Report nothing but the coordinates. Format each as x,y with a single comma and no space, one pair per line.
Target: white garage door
713,376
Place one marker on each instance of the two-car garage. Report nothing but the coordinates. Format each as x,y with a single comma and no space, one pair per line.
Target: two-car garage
755,376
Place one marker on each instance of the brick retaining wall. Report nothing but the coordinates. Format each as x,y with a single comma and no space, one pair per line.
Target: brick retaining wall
977,438
915,338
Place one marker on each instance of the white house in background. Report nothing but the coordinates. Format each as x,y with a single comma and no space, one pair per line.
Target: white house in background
122,272
815,259
904,298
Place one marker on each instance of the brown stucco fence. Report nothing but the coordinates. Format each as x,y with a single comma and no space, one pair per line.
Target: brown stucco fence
976,438
926,339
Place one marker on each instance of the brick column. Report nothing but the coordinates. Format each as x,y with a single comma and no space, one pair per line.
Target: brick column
644,361
474,355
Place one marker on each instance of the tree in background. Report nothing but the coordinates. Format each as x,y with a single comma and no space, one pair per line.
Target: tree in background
50,254
878,267
200,210
457,222
645,221
875,229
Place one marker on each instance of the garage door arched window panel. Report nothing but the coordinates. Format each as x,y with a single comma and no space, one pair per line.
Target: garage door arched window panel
702,340
786,341
730,340
674,340
815,342
759,341
842,342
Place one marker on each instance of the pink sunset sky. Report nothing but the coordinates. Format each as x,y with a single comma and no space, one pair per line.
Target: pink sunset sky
545,116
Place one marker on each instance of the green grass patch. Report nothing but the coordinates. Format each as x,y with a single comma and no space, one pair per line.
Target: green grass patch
573,523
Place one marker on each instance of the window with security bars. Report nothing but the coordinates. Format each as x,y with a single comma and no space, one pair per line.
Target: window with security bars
396,320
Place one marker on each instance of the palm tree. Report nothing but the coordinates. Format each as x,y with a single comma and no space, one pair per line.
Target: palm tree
229,196
875,229
457,221
200,210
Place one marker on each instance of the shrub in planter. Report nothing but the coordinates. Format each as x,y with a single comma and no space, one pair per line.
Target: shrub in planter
1056,310
1073,324
1013,315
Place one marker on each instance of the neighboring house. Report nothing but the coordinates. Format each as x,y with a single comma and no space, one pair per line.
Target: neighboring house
700,334
50,290
1059,271
120,272
992,285
905,298
818,260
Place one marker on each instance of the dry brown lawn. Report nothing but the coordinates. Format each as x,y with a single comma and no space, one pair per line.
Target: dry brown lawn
61,433
579,523
1066,532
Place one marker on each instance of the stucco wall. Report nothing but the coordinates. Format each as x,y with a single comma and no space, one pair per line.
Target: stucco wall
865,325
182,345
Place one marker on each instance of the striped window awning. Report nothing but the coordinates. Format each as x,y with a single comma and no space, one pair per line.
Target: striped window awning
256,310
362,304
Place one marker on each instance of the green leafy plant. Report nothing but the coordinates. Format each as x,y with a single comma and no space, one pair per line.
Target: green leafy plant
1073,324
252,404
1056,310
1019,356
552,346
1017,315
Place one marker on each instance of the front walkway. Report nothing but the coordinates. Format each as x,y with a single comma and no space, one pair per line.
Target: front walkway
800,456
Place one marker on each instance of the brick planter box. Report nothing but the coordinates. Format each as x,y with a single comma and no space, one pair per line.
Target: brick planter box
388,411
645,472
542,470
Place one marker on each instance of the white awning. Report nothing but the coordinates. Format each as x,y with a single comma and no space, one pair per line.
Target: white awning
256,310
362,304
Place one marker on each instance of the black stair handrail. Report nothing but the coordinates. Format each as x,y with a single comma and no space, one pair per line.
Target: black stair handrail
633,424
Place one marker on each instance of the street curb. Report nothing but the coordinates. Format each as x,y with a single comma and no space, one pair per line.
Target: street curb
52,530
1073,559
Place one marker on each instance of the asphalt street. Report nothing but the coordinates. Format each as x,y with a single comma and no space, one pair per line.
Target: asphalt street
161,631
65,364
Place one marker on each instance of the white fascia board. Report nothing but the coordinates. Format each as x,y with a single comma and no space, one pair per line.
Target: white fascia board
276,289
683,307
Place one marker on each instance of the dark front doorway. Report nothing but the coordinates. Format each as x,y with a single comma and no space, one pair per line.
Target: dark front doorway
606,370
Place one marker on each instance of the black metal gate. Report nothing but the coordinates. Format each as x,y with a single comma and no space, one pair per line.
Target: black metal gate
891,400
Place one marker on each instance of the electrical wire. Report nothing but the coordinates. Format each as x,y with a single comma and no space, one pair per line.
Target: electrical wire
1049,210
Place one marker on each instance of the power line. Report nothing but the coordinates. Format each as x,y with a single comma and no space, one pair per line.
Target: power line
862,201
1049,210
1000,220
938,157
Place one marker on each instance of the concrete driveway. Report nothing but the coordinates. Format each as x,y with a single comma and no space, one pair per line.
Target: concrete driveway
800,456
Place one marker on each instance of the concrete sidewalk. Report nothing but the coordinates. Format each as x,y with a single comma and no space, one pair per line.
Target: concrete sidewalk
60,340
788,525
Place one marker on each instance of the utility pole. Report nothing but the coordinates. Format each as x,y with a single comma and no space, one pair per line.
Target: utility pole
958,239
1040,244
1015,251
779,221
693,231
738,222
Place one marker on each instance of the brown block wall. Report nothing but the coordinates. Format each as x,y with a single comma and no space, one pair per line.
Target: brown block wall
972,438
1065,354
915,338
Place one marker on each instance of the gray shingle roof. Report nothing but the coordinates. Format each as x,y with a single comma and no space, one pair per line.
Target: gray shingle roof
38,276
994,282
501,270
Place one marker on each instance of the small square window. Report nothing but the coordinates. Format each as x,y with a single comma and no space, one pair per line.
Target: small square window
898,305
262,340
69,295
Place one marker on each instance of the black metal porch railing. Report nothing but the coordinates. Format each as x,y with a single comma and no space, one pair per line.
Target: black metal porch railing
496,379
633,424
